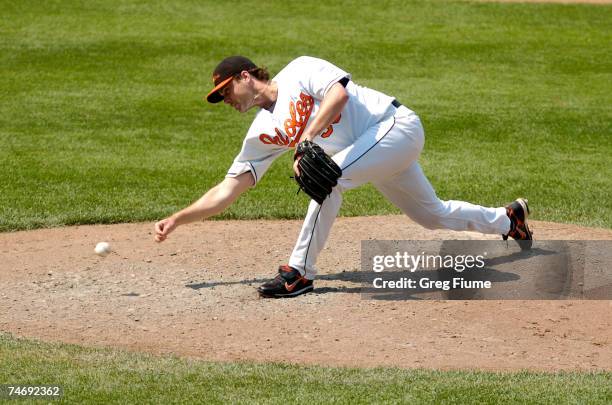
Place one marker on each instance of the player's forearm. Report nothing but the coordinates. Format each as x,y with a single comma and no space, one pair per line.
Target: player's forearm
331,106
215,200
211,203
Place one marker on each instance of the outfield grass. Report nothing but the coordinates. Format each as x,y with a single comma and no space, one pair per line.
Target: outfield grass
102,118
113,376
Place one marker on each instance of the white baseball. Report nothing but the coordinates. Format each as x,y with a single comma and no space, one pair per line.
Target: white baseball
102,248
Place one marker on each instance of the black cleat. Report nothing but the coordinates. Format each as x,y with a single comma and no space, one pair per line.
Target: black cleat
518,212
288,283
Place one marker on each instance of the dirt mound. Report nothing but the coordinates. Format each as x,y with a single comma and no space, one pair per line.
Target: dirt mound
194,295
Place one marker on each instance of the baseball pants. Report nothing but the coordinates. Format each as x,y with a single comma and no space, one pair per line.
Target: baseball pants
387,156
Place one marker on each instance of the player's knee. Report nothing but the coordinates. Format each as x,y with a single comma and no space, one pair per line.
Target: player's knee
428,222
434,217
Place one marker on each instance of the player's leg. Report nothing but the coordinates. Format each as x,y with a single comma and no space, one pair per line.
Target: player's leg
381,151
411,192
296,277
314,233
375,154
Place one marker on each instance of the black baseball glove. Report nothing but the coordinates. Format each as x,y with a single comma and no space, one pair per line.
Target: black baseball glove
318,172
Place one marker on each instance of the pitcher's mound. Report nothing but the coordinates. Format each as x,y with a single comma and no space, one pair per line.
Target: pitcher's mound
195,295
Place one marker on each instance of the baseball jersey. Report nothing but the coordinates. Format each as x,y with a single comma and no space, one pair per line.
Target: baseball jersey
302,85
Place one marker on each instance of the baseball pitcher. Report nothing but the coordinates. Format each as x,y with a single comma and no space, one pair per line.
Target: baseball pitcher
344,135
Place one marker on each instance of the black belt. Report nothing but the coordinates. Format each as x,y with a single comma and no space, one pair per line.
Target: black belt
396,103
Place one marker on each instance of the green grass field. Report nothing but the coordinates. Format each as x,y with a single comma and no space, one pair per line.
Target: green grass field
102,118
102,121
111,376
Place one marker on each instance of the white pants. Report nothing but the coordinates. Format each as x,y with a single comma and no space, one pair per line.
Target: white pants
387,156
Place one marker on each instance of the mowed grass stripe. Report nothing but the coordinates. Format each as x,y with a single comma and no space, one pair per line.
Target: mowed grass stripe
90,375
102,118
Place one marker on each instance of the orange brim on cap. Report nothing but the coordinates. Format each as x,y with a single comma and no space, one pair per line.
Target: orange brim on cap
214,96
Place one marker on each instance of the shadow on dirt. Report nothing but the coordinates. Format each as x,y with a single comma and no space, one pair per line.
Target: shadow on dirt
361,282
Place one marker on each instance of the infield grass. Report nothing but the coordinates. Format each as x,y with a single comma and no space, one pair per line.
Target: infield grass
113,376
102,118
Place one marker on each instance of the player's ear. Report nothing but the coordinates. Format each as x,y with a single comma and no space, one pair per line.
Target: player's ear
244,75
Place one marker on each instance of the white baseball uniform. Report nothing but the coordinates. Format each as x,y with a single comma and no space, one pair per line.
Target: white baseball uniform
372,141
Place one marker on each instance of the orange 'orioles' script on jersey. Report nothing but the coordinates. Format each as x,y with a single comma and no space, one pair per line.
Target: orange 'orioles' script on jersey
299,114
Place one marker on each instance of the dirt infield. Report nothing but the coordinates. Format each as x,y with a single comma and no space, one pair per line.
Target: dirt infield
194,295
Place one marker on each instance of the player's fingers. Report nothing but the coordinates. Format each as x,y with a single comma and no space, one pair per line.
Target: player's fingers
296,167
160,232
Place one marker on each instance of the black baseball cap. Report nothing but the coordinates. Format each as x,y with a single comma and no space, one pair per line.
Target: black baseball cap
225,72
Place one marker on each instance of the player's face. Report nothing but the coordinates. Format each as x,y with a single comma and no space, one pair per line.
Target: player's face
238,94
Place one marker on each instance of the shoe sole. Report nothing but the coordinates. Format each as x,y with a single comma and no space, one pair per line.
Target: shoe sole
288,295
525,244
523,202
